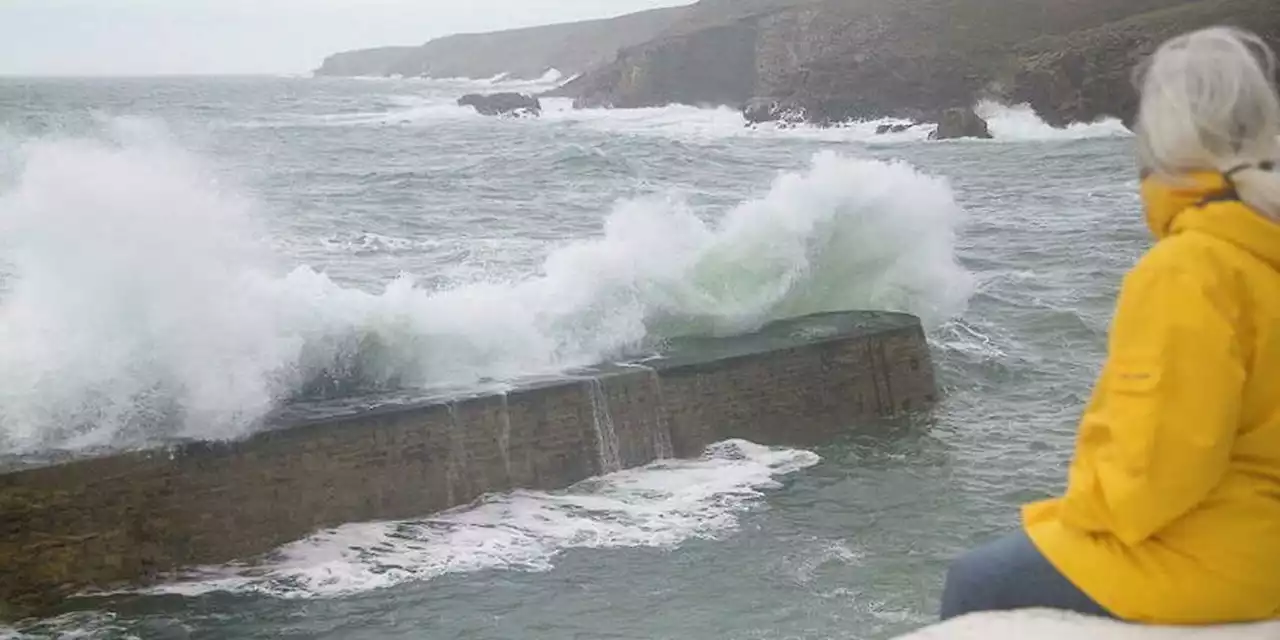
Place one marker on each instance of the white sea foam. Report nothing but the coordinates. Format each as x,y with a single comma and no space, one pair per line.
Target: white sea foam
436,104
76,625
661,505
1008,124
503,82
1020,123
144,303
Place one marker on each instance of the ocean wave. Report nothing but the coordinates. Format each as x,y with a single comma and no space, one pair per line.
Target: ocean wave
1016,124
76,625
548,80
144,302
551,78
436,104
1020,123
660,505
430,101
402,110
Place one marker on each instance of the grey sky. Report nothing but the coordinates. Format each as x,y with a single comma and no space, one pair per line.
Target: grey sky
137,37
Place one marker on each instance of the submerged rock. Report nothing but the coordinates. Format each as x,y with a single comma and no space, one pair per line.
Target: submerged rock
502,104
960,123
761,110
894,128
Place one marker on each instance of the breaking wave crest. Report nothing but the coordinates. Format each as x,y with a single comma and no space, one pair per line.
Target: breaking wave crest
436,105
1020,122
142,301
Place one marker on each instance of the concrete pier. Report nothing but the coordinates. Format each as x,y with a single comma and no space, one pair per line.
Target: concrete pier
130,518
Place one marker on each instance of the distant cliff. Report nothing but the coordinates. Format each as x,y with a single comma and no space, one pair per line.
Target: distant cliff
527,53
836,60
365,62
522,53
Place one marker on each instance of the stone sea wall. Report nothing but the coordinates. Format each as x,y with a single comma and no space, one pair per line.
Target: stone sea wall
131,518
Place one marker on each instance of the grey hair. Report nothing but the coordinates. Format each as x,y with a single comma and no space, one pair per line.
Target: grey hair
1209,103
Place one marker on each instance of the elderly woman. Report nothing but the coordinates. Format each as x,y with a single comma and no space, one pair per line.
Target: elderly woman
1171,513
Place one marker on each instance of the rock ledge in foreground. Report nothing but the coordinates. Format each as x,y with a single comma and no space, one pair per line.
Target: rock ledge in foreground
1046,624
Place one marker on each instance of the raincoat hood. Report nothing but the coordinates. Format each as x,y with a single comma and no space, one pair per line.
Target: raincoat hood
1206,202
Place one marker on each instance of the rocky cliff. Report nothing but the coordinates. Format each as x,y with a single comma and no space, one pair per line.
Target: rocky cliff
915,57
530,52
521,53
365,62
1088,75
711,66
836,60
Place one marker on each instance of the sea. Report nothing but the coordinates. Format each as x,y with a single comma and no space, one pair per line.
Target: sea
180,255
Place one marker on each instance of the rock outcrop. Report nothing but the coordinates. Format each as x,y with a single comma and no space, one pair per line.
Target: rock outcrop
760,110
960,123
893,128
502,104
712,66
831,61
836,60
1089,75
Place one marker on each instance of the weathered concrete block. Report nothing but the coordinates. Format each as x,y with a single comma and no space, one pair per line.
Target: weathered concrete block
131,518
1045,624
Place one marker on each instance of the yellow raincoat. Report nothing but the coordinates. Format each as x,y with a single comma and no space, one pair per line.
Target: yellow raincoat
1172,508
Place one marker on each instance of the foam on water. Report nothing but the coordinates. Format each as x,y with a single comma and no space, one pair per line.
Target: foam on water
143,301
1008,123
433,102
1020,123
1016,123
78,625
661,505
430,101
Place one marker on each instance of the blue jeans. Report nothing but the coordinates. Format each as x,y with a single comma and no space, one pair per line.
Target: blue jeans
1010,573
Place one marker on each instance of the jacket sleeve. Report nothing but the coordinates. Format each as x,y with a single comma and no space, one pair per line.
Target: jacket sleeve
1160,428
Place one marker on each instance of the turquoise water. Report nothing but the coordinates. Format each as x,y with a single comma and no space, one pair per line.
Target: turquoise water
160,234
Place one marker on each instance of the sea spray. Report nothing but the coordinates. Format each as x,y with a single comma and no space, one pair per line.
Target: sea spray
142,304
126,308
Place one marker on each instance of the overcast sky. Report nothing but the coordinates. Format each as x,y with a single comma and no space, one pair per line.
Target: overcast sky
141,37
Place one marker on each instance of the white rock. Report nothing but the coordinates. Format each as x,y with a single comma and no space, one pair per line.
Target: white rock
1044,624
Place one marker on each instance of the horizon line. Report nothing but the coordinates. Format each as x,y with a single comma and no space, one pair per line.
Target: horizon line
152,75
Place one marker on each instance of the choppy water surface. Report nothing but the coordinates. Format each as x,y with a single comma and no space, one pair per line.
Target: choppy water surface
180,255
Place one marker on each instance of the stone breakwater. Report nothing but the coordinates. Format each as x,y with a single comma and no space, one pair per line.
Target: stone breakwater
132,518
